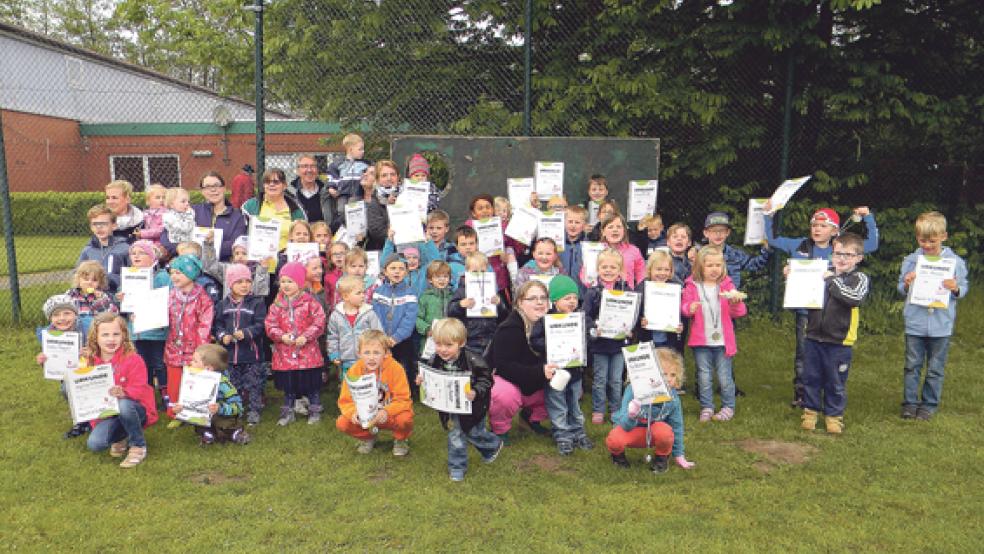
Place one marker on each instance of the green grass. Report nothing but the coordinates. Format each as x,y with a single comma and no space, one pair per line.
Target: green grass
37,253
885,485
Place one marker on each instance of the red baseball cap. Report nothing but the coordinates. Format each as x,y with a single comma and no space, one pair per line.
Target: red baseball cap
826,215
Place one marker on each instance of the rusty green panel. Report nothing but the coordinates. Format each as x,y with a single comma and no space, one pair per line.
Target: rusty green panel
482,164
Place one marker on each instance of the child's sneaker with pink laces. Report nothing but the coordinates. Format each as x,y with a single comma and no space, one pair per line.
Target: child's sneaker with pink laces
705,415
726,414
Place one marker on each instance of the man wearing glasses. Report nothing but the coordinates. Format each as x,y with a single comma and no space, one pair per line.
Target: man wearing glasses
311,192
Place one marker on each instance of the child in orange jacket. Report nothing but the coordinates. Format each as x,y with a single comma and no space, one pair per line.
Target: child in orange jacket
395,408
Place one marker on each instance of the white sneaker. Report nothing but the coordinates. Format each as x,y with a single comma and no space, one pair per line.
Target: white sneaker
365,447
301,406
401,448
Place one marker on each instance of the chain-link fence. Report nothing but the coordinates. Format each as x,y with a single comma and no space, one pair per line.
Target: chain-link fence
875,123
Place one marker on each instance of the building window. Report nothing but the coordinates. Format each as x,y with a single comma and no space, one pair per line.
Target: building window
141,171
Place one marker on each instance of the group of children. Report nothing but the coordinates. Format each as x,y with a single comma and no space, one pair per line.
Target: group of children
326,319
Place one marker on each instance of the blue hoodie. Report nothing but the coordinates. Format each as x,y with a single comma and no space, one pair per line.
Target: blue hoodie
396,306
112,257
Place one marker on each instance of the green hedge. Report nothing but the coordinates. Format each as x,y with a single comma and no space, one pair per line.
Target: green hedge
60,213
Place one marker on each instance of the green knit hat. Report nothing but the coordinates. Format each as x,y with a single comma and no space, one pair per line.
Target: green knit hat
561,286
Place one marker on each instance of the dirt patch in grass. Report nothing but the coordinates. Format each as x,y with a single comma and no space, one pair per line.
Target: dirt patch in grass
776,452
215,478
544,463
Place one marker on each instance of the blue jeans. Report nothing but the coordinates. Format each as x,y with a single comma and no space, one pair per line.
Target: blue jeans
128,425
711,361
607,381
566,418
825,370
152,352
485,441
933,351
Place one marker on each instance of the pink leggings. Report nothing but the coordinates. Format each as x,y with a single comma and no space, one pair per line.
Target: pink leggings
507,400
661,442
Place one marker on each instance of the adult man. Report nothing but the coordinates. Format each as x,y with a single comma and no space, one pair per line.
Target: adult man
311,192
243,187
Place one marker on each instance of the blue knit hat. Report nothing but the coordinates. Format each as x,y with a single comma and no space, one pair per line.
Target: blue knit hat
190,265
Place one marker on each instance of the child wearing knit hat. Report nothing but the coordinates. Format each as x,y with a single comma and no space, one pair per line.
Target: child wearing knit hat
238,327
566,418
419,171
260,274
62,314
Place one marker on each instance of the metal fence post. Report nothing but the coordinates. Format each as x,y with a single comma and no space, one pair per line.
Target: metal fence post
257,9
528,70
8,231
787,112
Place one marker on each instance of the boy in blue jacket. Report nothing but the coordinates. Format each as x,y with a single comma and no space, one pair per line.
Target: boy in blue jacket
112,252
928,329
395,303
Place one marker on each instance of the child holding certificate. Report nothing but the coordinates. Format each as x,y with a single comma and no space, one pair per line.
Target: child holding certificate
466,244
658,426
928,328
238,326
481,208
614,233
109,342
190,312
562,400
572,258
395,302
830,333
89,292
150,344
450,337
240,248
480,329
659,269
545,262
394,408
606,354
225,423
63,317
295,322
710,301
824,226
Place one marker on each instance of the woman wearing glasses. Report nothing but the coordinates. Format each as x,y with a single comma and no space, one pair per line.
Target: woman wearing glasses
275,203
215,212
519,375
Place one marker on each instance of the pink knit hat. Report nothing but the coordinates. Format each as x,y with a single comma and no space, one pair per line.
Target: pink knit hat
146,247
237,272
418,164
295,272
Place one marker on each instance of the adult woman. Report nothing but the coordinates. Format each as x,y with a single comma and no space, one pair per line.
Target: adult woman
216,213
274,203
387,188
128,217
519,374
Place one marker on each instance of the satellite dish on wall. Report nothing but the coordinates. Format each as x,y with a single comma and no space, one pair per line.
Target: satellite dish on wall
222,116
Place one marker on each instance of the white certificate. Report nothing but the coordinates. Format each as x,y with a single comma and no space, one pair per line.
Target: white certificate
662,306
490,240
543,278
480,287
199,388
404,219
927,288
804,284
445,391
755,224
301,252
342,235
416,194
786,190
264,238
642,198
355,218
365,396
618,313
200,233
645,374
552,225
589,257
520,190
566,344
549,178
87,389
593,209
133,282
522,225
61,348
372,265
153,310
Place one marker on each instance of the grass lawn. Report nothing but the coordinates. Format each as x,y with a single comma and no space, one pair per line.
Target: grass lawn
36,253
760,483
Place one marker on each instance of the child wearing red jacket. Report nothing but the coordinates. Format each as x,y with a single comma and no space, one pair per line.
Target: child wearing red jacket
190,313
294,323
109,342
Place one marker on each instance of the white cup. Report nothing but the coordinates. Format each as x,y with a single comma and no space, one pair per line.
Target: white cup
560,379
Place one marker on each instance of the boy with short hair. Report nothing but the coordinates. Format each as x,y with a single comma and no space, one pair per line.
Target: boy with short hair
571,256
347,321
466,243
650,235
824,226
345,177
717,229
830,333
433,304
225,424
928,329
395,303
395,410
112,252
450,337
436,247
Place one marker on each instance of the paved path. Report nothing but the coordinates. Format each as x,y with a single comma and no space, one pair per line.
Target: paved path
34,279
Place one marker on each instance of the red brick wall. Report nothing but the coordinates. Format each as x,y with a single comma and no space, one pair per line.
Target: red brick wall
43,153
